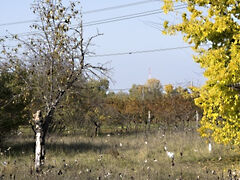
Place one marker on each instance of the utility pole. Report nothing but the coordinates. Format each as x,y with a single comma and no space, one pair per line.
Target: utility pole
149,112
143,93
197,118
149,119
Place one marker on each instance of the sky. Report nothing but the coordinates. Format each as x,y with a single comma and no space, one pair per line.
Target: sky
137,34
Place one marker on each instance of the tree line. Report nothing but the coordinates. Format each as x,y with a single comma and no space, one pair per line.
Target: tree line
93,106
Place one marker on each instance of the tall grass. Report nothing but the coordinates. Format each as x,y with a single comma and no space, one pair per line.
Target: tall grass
132,156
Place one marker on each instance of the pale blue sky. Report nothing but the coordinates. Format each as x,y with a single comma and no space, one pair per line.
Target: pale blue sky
176,66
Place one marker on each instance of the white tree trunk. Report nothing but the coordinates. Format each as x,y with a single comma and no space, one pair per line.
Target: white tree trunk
38,147
38,151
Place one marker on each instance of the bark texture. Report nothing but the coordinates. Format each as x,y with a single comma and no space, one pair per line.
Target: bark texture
39,134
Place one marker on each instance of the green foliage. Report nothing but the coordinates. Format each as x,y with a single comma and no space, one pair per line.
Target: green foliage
13,104
215,23
84,107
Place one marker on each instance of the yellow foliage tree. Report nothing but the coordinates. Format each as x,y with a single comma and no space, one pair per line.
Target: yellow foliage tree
215,24
168,89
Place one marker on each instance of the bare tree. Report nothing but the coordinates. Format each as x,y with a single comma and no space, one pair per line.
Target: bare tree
55,59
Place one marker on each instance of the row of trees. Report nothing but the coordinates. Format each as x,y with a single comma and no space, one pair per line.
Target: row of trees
93,106
162,106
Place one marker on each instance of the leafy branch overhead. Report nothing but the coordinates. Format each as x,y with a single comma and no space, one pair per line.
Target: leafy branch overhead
215,24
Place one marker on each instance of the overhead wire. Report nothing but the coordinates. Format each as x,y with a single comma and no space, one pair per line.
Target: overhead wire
129,16
19,22
87,12
135,52
121,18
110,20
140,52
120,6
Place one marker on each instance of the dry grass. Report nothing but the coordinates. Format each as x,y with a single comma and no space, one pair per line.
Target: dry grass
136,156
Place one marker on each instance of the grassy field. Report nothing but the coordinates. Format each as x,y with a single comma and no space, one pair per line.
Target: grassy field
125,156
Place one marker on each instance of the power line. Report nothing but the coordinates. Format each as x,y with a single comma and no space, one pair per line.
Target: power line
120,6
110,20
129,16
87,12
18,22
140,52
133,52
119,18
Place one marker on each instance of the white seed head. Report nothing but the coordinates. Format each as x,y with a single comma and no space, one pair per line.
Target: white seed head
170,154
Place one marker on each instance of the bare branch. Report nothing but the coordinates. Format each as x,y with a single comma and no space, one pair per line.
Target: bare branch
234,86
